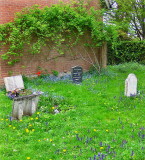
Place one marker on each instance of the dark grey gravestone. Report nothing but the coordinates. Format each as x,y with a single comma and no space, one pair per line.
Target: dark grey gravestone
77,73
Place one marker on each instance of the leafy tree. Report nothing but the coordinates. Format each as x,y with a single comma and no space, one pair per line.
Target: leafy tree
130,16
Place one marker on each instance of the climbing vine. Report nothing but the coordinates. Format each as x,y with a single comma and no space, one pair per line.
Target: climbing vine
37,27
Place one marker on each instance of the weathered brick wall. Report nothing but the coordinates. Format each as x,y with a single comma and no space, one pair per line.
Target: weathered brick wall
47,59
50,60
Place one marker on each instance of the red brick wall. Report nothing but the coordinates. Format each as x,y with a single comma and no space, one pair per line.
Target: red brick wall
29,63
9,7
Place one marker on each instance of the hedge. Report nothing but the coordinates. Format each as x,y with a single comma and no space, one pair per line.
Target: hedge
126,51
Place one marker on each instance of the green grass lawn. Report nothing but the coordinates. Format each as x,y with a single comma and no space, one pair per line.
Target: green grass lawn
96,120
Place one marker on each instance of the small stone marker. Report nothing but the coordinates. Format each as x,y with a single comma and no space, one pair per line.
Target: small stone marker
13,83
131,85
77,73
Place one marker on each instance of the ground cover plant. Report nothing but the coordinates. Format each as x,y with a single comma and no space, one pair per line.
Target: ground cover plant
95,119
58,24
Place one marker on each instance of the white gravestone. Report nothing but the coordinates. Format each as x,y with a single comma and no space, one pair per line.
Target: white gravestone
14,82
131,85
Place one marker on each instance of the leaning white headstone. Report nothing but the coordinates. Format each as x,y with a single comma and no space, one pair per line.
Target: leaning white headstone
13,82
131,85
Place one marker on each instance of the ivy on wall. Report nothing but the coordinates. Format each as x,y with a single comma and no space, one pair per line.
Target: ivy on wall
57,24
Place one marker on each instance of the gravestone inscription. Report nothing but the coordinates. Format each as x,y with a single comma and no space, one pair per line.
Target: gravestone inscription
131,85
77,73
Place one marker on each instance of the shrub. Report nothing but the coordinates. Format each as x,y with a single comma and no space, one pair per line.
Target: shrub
55,73
126,51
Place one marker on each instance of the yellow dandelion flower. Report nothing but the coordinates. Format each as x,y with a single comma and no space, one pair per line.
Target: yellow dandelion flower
21,120
7,119
14,127
10,125
2,119
30,125
38,112
33,130
64,150
36,118
27,130
39,140
107,130
28,158
101,147
95,130
31,118
52,107
50,140
76,131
